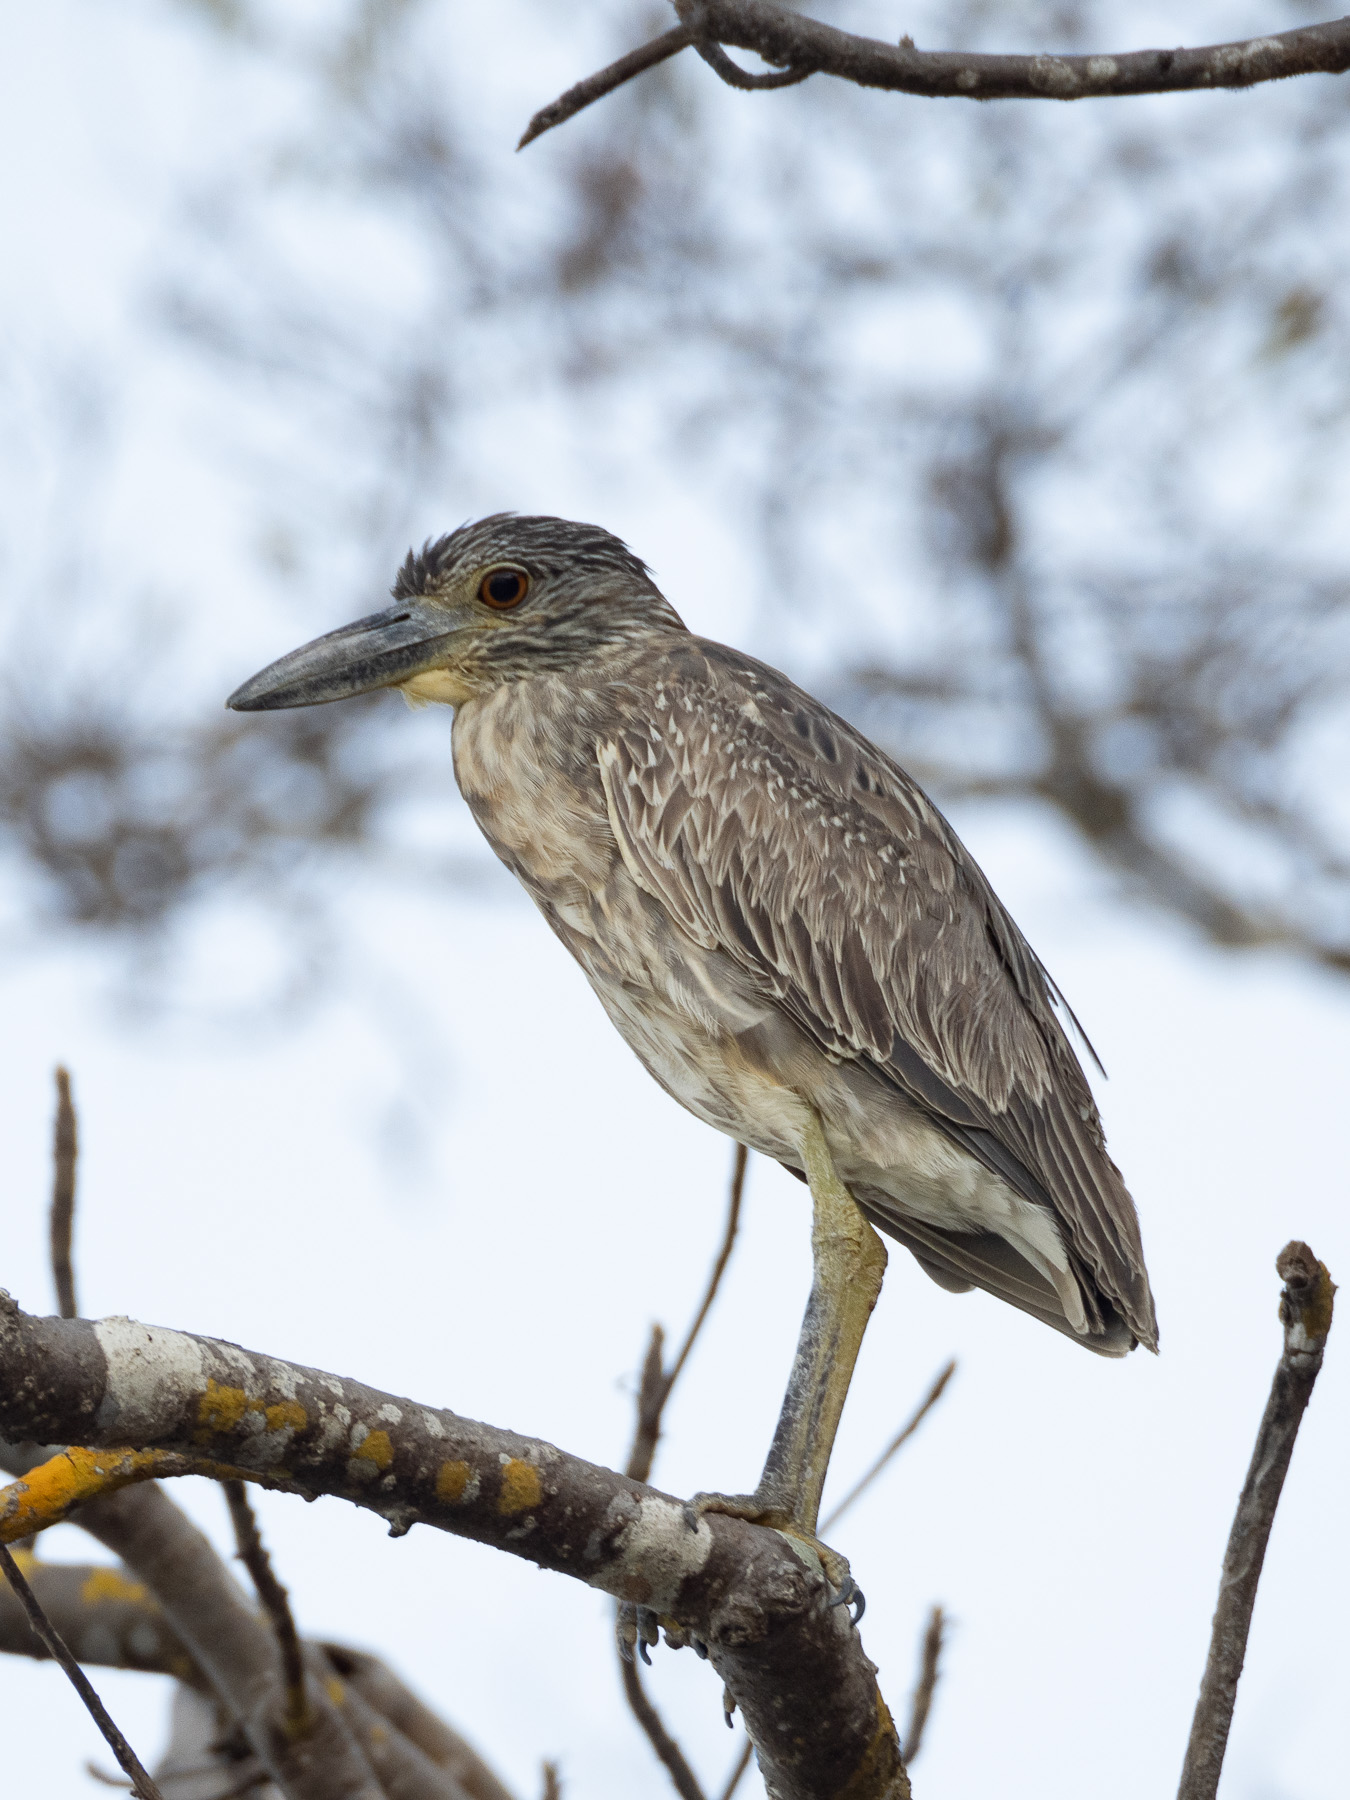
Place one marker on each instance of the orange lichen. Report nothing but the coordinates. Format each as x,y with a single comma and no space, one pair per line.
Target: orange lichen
451,1480
520,1487
47,1494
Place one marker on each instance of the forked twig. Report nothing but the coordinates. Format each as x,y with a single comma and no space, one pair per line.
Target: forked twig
796,46
920,1705
141,1783
1306,1306
905,1432
65,1150
275,1603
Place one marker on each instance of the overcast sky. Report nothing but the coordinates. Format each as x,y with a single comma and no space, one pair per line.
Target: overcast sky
455,1182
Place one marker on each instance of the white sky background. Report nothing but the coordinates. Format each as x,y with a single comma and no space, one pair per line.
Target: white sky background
1070,1513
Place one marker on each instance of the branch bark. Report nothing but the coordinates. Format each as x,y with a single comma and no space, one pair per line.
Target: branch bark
107,1617
187,1404
801,46
1306,1306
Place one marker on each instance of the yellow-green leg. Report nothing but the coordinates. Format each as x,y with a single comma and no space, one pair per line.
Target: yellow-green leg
849,1260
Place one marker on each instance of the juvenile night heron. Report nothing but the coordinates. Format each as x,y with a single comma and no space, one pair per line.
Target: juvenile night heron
783,928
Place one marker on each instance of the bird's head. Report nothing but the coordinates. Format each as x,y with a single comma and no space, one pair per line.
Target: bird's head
500,599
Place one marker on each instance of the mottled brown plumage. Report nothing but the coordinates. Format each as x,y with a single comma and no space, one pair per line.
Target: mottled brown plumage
774,915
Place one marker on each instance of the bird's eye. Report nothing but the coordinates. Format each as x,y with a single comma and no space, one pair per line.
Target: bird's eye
502,589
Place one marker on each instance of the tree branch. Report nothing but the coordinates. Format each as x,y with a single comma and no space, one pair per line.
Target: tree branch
1306,1306
793,1664
801,46
108,1619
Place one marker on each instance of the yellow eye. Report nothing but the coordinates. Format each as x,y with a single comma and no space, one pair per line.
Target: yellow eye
501,589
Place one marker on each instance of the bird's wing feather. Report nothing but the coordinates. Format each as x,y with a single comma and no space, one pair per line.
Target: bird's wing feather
767,826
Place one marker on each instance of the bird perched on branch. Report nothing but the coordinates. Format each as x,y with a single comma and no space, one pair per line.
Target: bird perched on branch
780,924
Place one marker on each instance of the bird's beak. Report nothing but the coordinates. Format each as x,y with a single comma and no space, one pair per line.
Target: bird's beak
375,652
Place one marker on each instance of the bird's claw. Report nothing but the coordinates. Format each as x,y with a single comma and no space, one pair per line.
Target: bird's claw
852,1596
759,1512
635,1627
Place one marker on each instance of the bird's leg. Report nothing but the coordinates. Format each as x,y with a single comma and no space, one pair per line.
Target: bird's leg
849,1260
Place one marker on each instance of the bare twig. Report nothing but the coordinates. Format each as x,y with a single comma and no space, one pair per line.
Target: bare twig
604,81
275,1603
252,1778
653,1393
65,1150
552,1785
127,1759
657,1382
742,1764
683,1779
1305,1312
905,1432
800,46
921,1704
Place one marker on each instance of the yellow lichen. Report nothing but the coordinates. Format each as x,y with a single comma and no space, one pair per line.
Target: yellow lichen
520,1487
286,1413
112,1584
451,1480
375,1448
219,1409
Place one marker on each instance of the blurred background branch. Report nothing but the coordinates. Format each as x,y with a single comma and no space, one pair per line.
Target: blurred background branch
1085,560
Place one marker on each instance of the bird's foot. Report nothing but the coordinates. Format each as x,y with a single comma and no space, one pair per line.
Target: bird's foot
762,1510
638,1628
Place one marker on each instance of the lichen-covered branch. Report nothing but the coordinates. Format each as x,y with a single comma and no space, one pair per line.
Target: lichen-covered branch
1306,1306
177,1403
107,1617
800,46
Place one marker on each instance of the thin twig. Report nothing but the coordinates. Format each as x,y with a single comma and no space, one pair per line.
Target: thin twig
1305,1312
65,1150
798,46
552,1785
141,1783
275,1603
253,1778
657,1382
653,1393
921,1704
905,1432
742,1764
604,81
683,1779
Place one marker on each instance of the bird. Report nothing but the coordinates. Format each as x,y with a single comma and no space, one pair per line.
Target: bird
781,925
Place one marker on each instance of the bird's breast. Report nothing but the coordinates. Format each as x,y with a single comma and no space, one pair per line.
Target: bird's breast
522,764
